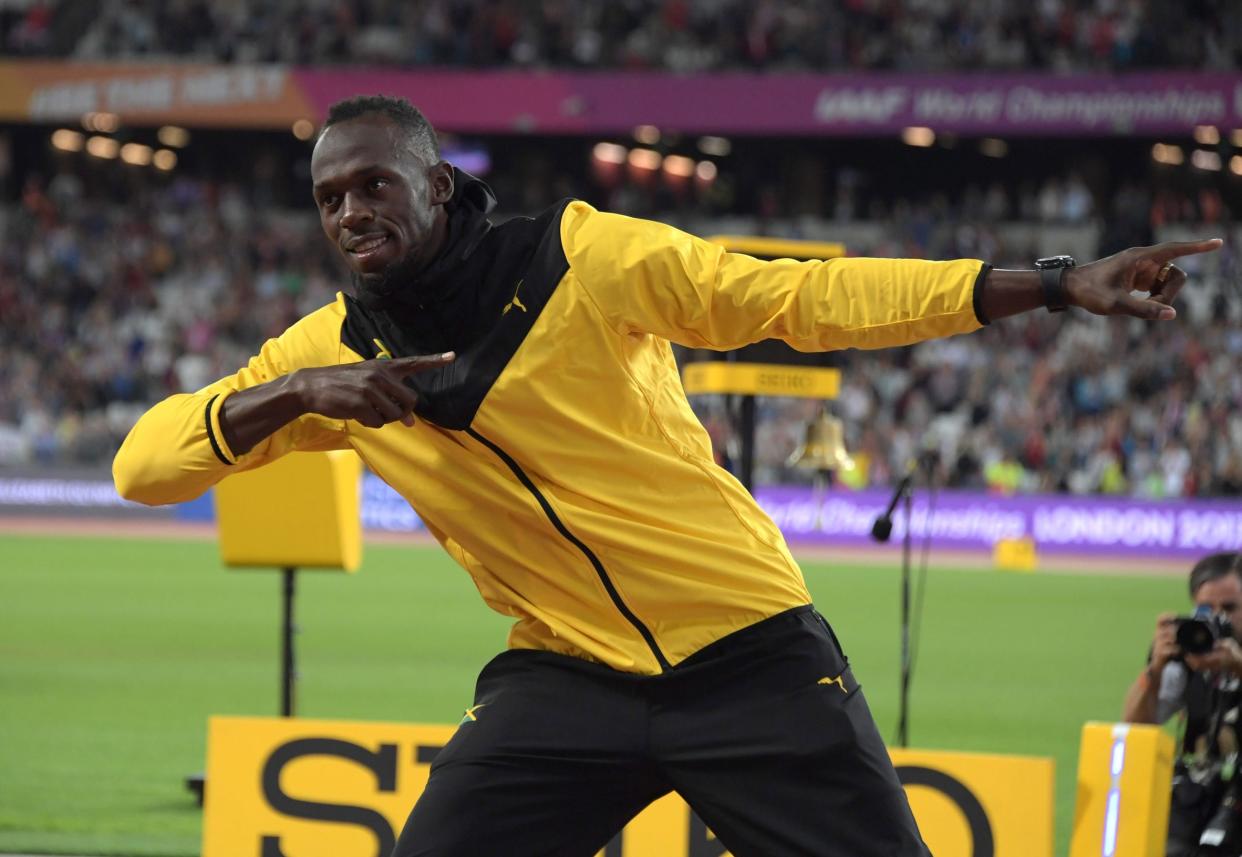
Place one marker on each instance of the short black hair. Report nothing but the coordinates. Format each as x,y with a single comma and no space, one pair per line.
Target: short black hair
401,112
1212,567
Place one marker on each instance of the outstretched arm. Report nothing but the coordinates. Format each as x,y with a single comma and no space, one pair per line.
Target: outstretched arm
647,277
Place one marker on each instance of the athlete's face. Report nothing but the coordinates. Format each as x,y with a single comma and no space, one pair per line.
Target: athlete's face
380,202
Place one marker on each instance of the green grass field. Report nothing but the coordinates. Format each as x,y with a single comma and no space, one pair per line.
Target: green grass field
113,652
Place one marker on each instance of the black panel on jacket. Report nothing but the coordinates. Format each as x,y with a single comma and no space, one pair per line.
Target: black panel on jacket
481,307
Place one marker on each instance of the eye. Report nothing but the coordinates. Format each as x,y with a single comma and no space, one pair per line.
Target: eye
329,200
377,183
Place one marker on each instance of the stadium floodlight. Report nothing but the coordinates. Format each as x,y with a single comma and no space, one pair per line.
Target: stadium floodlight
993,147
645,159
648,135
705,172
1166,153
303,129
1236,137
67,140
609,153
644,164
1205,159
102,147
136,154
174,136
164,159
718,147
1235,165
917,135
103,122
608,163
1207,135
679,166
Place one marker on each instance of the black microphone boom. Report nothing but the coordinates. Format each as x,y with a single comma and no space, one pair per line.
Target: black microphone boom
883,526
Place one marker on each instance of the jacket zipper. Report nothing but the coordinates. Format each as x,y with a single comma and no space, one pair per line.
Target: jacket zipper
576,542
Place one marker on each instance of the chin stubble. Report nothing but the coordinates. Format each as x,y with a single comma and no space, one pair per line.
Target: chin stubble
381,290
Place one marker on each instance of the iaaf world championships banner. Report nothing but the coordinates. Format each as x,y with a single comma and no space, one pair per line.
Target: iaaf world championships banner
1057,523
958,520
274,96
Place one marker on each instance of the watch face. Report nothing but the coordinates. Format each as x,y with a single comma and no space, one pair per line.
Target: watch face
1055,262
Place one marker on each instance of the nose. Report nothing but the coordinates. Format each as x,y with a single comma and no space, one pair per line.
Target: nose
354,212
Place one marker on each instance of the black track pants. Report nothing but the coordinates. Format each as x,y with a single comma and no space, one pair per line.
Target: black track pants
765,733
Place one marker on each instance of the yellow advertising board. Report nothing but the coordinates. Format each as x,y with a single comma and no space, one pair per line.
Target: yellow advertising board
319,788
302,510
765,247
1125,777
761,379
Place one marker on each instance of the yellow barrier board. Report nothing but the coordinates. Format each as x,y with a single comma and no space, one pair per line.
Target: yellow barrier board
761,379
301,511
764,247
1015,555
318,788
1125,778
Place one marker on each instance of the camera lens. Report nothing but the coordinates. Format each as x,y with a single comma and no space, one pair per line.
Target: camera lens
1195,636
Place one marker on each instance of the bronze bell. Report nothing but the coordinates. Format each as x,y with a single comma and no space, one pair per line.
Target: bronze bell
824,446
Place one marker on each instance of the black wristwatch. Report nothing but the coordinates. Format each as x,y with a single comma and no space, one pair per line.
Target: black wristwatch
1052,276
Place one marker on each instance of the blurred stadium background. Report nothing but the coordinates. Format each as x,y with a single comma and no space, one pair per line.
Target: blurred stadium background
156,225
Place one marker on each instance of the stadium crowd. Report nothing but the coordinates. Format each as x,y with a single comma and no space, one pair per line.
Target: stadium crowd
108,308
677,35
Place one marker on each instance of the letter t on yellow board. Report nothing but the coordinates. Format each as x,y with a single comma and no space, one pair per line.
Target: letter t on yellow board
1125,774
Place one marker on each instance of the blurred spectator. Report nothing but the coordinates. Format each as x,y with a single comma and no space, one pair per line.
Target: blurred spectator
676,35
109,307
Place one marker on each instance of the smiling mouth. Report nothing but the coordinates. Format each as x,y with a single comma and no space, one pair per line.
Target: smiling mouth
367,246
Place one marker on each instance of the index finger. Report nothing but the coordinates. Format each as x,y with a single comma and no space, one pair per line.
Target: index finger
1170,250
420,363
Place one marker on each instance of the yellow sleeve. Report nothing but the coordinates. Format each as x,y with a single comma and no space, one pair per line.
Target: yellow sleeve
648,277
176,451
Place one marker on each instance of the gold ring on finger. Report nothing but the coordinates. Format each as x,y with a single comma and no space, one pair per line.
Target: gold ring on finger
1163,273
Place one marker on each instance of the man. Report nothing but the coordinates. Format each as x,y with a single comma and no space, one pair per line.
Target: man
1208,689
1159,691
515,383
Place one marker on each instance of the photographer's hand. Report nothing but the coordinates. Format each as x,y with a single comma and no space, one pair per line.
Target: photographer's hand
1164,646
1226,656
1141,698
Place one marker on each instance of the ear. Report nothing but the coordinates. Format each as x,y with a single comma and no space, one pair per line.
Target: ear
440,181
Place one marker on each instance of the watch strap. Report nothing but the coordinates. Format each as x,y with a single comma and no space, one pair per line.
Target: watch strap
1056,298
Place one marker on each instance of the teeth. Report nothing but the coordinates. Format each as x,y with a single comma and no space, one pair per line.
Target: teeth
370,245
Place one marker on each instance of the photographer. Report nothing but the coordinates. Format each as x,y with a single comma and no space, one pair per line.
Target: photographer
1207,687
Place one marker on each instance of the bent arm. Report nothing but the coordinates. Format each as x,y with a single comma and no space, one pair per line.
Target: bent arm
1141,699
183,445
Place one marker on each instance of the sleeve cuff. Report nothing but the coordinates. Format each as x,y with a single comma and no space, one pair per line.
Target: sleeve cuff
215,433
981,280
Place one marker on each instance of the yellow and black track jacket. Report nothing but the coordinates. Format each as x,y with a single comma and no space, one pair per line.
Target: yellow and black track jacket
557,460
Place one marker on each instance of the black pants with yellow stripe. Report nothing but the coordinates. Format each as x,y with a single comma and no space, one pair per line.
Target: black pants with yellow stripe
765,734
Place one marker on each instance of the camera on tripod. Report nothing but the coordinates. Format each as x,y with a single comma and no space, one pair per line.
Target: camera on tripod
1197,634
